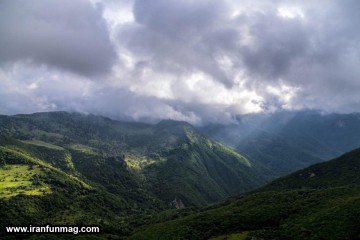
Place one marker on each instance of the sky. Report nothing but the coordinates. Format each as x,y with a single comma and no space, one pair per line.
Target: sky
203,61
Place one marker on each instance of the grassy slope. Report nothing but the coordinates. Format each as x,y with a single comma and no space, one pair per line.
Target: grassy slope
326,207
18,179
36,192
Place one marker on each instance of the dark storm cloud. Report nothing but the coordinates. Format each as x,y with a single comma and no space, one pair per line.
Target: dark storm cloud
328,73
191,35
179,20
312,46
198,61
277,44
64,33
172,34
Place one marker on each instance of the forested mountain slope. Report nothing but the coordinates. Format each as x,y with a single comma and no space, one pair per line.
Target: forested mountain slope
69,168
319,202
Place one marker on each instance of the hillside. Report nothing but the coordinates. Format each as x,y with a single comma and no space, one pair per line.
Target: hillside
71,168
41,185
339,172
324,205
288,141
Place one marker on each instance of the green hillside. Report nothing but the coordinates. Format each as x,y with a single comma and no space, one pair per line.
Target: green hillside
36,192
69,168
201,171
300,206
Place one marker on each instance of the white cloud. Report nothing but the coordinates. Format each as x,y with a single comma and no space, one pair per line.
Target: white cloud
290,12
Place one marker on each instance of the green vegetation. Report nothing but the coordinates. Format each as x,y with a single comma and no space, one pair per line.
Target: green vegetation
61,168
116,174
303,214
323,206
138,163
234,236
18,179
34,191
16,155
82,148
43,144
339,172
170,159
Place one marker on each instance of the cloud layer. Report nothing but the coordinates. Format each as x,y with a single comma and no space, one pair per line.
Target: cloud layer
199,61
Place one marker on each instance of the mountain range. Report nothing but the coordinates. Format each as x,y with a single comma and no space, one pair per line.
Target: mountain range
71,168
171,180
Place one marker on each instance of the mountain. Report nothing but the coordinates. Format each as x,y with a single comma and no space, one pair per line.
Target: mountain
287,141
70,168
319,202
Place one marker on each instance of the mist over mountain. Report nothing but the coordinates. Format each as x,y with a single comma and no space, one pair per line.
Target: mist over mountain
287,141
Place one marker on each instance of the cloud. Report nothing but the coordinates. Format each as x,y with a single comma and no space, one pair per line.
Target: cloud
277,44
171,35
26,88
179,20
198,61
66,34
